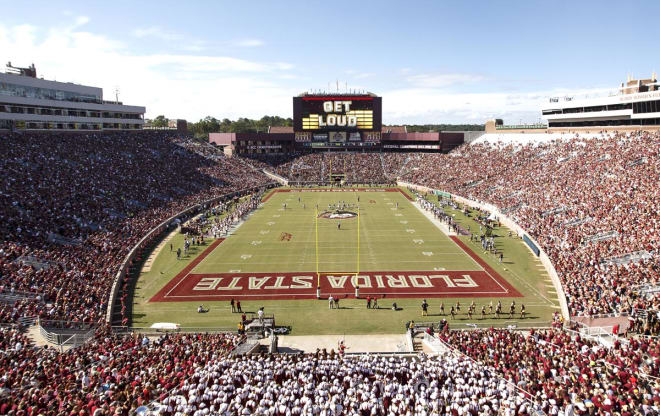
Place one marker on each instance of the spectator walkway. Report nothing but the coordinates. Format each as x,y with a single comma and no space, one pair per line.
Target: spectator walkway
354,343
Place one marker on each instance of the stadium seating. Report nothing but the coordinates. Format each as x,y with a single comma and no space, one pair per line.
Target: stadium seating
325,384
562,371
589,202
317,167
111,375
72,206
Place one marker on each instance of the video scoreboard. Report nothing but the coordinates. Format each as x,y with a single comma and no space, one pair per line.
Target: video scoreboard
328,120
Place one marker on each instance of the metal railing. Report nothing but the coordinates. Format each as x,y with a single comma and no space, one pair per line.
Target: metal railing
67,339
144,330
508,324
13,296
434,343
65,325
27,320
603,315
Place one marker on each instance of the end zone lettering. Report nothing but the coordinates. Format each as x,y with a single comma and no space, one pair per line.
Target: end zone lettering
403,284
363,281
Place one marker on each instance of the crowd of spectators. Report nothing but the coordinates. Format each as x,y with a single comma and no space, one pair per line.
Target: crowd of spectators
111,375
560,370
592,204
327,384
317,167
220,225
72,206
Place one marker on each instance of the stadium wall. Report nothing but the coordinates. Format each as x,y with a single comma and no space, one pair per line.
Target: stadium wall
599,129
470,136
545,260
157,232
275,177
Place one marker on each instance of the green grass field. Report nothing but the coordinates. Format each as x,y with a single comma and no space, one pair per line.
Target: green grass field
391,239
386,235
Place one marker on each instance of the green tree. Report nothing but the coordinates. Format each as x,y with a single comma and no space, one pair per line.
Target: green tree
160,121
210,124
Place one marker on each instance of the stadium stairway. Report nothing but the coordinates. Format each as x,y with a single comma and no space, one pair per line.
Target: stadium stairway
417,342
382,164
403,171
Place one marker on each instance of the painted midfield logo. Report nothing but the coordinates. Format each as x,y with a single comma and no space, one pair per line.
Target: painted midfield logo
337,215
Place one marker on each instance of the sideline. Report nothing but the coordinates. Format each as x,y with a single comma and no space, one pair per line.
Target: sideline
154,254
442,226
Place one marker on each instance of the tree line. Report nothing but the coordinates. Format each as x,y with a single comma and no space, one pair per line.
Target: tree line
209,124
423,128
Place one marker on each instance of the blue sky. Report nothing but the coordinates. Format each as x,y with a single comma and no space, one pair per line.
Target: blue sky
432,61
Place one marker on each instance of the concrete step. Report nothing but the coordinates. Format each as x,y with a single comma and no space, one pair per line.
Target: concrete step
34,334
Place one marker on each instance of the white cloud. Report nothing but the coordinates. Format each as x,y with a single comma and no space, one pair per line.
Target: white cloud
426,105
358,75
177,85
191,86
248,43
443,80
81,20
155,32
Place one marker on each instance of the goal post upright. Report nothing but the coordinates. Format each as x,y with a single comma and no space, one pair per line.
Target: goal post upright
358,240
318,275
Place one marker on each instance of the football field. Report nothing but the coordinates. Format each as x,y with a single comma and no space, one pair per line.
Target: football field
301,245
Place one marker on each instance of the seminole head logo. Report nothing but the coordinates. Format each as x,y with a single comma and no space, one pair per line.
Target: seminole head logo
337,215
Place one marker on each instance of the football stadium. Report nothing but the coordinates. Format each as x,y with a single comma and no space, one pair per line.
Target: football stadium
337,265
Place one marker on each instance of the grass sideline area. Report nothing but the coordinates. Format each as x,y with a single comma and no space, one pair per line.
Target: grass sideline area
385,245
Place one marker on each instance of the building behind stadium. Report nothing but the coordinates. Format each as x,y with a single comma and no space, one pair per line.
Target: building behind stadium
336,122
31,103
634,106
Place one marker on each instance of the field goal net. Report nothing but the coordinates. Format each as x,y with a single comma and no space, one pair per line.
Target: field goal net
337,241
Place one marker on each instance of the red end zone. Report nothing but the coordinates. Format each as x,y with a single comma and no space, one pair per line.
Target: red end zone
270,194
401,284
